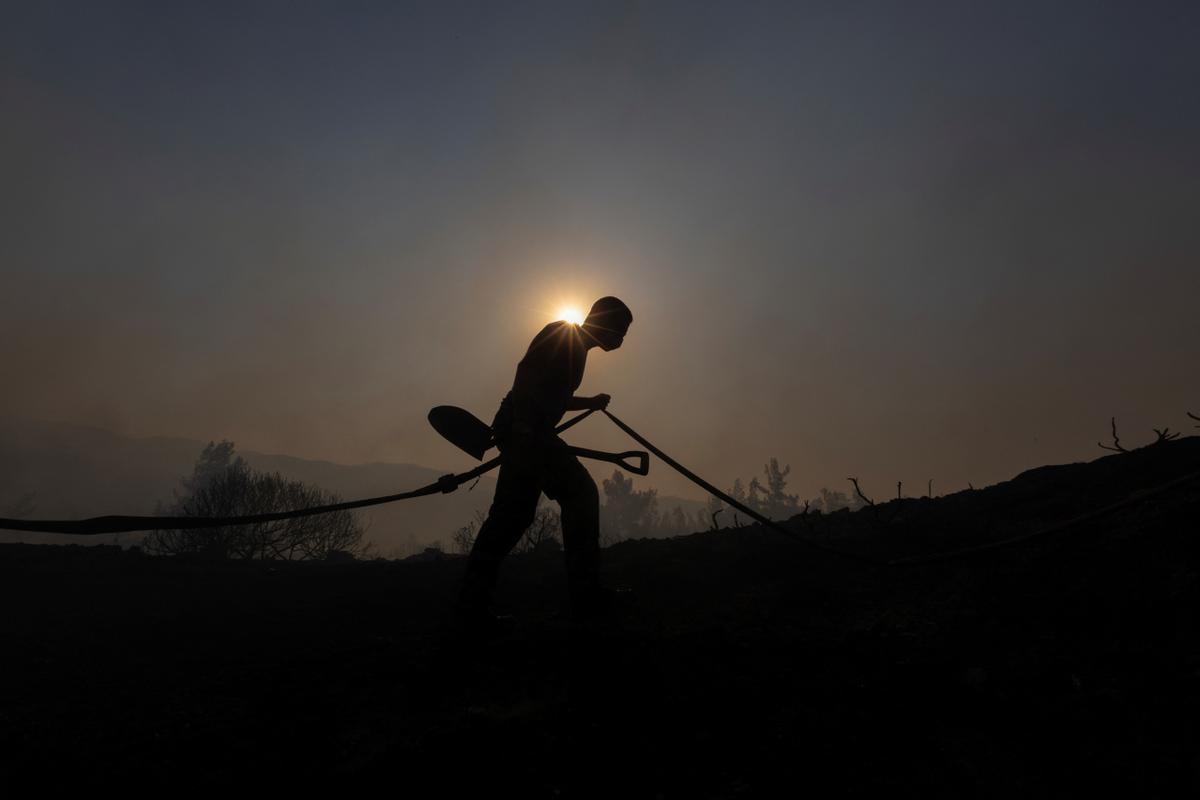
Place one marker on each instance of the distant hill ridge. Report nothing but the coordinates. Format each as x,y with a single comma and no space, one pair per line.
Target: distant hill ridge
78,471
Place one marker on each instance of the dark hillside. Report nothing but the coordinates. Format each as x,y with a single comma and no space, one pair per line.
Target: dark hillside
1065,664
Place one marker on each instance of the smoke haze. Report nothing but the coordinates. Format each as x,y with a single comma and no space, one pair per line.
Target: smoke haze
948,242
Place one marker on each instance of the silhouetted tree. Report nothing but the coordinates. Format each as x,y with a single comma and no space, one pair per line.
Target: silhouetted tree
627,512
677,522
770,499
223,486
673,522
738,491
831,500
711,513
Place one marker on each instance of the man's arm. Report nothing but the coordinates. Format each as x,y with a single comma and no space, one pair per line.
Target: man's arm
598,403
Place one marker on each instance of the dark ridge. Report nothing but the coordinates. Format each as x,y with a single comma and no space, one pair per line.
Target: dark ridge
1064,665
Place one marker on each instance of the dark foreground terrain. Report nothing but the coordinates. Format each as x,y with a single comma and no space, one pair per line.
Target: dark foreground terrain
744,665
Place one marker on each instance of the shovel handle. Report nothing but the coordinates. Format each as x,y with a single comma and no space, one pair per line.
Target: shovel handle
640,468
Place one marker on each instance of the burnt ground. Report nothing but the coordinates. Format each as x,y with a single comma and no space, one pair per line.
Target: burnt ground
744,663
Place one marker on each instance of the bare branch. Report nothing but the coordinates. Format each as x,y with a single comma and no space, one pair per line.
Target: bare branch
865,499
1116,448
1161,435
1164,435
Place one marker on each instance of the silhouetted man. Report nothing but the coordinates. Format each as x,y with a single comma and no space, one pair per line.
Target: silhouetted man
536,460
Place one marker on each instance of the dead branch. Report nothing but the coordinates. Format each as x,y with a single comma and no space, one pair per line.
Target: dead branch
1164,435
859,491
1116,448
1193,416
1161,435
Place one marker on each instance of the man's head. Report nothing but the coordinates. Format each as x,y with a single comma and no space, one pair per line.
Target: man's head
607,322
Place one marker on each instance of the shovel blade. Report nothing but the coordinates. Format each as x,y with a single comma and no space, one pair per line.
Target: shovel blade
462,429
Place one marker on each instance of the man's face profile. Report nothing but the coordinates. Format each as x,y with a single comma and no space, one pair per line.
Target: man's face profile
618,338
609,339
608,322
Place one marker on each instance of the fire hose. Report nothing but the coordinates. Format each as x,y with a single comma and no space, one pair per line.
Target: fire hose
450,482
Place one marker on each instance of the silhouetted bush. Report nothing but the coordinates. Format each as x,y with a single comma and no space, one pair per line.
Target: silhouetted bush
544,533
463,539
224,486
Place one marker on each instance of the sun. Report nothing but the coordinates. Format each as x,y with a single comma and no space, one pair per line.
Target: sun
570,314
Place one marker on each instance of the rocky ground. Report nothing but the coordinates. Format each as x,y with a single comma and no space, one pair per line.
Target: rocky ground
1067,663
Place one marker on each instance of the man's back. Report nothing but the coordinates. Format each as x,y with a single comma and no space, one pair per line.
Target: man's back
546,379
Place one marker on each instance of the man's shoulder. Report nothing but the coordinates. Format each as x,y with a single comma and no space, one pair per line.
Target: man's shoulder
555,335
560,327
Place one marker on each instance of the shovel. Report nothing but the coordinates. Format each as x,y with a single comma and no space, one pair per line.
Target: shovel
473,436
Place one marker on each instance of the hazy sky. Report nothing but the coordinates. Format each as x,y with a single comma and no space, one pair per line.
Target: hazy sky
899,241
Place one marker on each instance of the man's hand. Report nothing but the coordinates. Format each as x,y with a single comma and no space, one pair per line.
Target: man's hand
597,403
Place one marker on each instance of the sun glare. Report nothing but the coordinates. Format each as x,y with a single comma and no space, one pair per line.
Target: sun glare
571,314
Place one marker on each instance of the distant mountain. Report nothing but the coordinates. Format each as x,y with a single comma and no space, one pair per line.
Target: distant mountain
76,471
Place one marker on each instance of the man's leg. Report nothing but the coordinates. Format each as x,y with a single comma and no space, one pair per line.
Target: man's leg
568,482
512,511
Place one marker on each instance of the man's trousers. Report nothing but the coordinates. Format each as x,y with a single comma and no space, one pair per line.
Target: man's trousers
527,471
